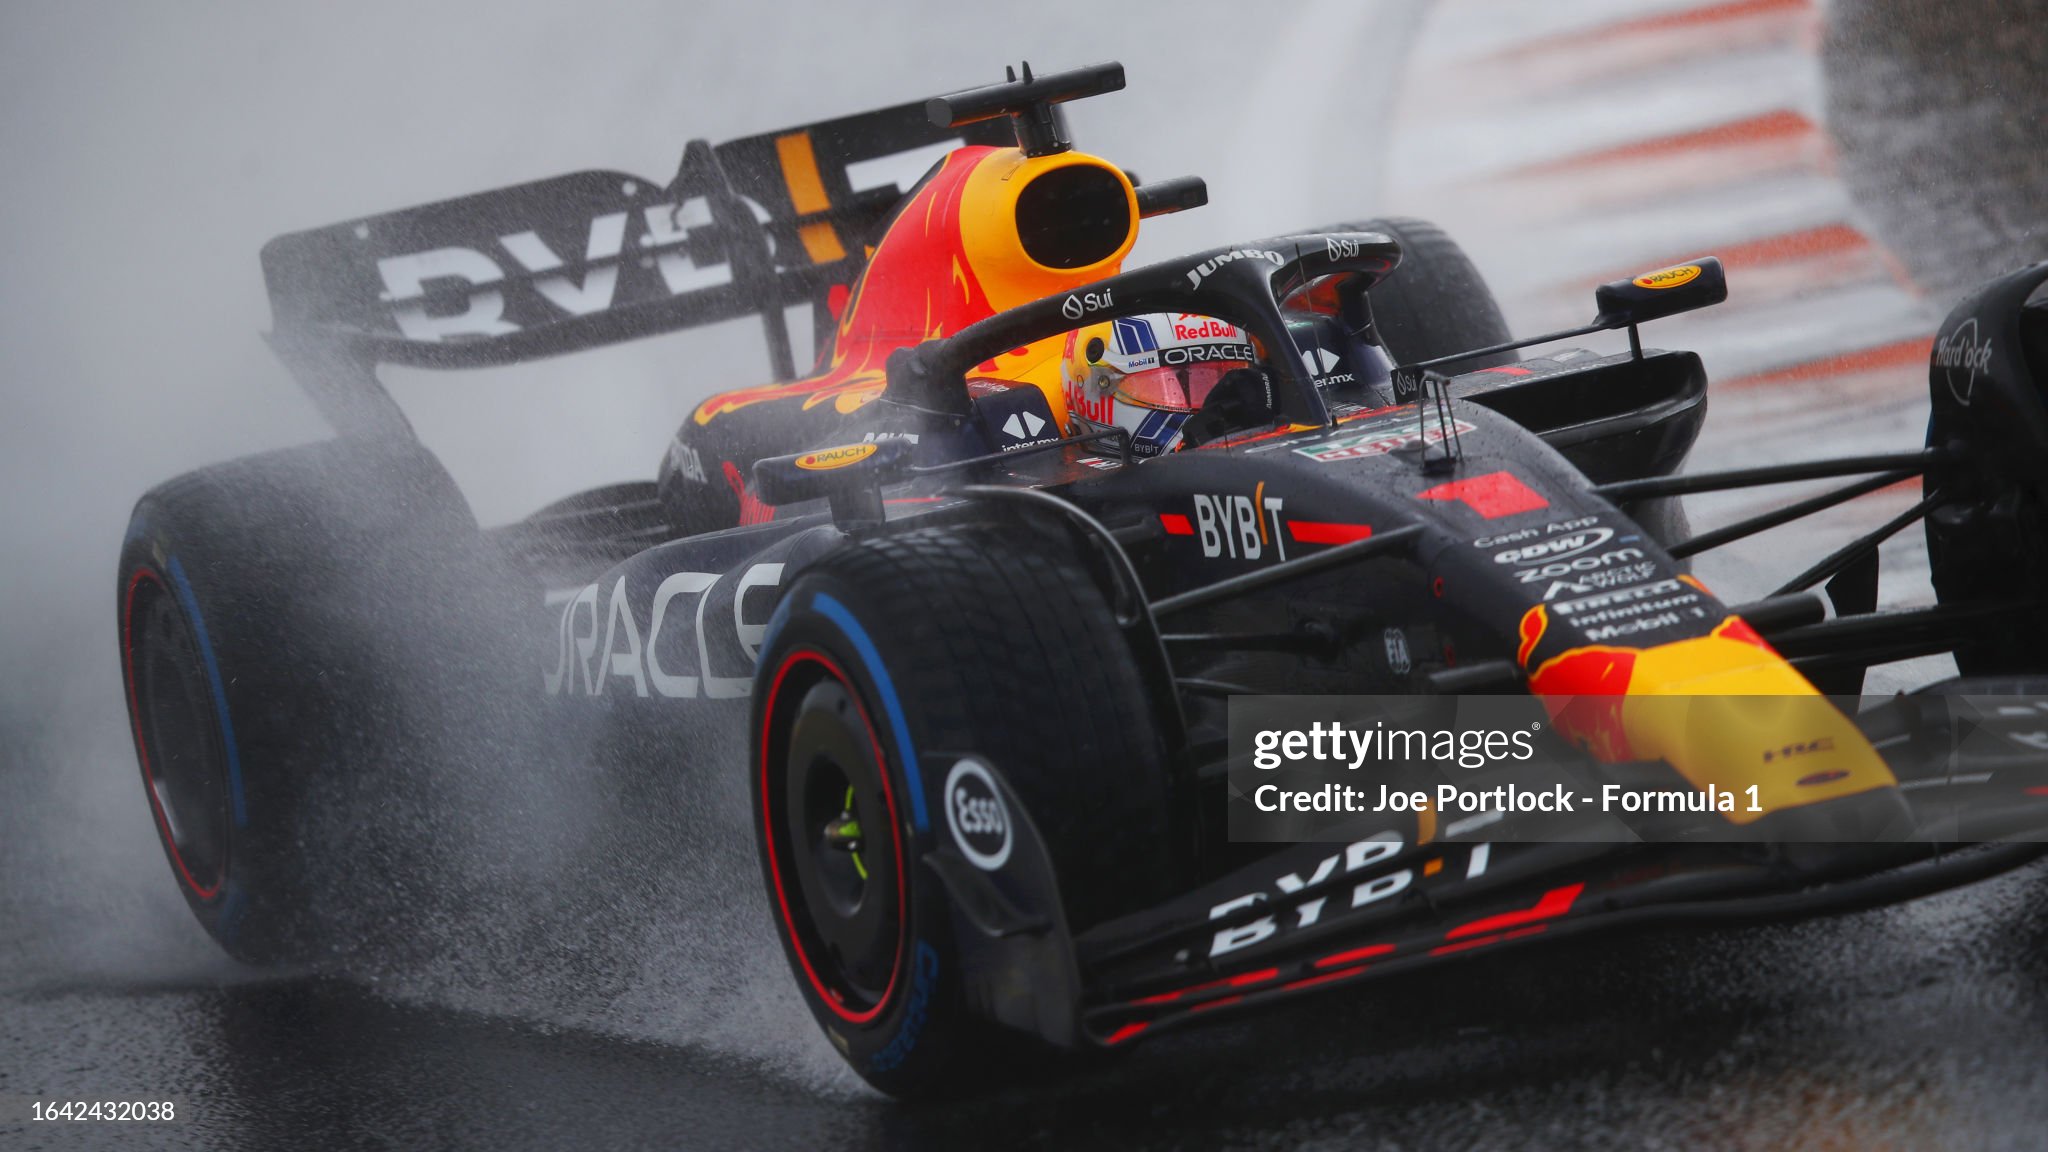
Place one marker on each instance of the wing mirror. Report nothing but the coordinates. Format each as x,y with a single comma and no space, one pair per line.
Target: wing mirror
1623,304
851,475
1665,292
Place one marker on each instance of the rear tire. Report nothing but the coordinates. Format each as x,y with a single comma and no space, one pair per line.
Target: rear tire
272,615
882,654
1435,302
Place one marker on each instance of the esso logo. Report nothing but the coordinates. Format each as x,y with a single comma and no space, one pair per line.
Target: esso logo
975,813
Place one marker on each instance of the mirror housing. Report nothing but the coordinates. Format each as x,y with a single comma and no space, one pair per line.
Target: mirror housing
850,475
1664,292
1176,195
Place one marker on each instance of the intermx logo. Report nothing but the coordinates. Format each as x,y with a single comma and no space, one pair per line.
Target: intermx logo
1240,527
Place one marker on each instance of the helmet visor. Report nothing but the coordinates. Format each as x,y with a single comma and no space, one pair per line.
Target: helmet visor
1177,389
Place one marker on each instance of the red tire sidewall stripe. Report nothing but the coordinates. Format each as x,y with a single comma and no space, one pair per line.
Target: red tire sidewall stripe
156,809
795,657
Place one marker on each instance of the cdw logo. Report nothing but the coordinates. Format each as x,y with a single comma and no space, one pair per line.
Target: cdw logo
1233,525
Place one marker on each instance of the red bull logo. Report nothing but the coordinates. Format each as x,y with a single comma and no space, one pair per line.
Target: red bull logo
1723,709
952,257
899,300
1187,327
1099,410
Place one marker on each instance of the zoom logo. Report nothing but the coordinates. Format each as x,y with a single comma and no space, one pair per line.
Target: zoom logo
976,814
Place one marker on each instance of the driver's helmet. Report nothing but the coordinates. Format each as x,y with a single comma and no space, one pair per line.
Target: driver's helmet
1146,374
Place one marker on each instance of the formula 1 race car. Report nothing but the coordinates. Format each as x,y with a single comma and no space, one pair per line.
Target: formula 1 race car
977,590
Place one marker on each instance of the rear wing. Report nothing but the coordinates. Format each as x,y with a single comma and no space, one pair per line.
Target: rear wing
748,227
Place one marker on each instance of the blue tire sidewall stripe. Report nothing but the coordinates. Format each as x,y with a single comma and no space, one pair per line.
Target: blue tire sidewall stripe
230,922
220,699
831,609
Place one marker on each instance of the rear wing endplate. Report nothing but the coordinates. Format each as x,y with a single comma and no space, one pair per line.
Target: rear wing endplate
748,227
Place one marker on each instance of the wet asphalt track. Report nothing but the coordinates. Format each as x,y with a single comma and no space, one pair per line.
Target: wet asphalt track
1923,1026
1919,1026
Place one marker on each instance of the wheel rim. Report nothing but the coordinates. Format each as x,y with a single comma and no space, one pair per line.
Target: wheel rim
177,739
834,847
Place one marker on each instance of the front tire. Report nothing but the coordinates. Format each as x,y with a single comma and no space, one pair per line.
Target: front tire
889,662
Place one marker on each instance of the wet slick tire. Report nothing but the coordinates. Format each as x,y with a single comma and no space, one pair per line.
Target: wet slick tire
272,613
986,647
1435,302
